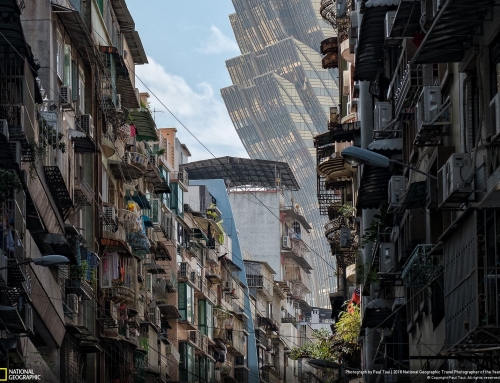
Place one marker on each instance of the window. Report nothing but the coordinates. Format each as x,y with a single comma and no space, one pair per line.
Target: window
187,363
60,56
67,65
186,302
296,229
205,318
81,90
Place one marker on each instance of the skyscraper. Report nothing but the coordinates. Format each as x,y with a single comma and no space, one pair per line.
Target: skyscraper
281,97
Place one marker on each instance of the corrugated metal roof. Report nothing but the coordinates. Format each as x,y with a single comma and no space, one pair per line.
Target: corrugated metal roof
387,144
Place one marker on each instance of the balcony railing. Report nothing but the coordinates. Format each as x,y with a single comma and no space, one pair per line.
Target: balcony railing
421,267
181,177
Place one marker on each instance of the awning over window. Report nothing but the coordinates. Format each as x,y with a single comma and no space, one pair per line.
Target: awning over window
455,24
387,144
145,125
374,187
370,51
377,314
346,132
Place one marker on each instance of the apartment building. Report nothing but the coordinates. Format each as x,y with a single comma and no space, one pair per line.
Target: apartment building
423,78
86,174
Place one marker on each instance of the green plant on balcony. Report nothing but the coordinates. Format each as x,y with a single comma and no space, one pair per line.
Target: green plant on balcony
347,210
49,137
213,215
9,182
160,152
79,271
372,232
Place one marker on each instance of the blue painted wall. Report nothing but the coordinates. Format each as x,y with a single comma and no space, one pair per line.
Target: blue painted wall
218,190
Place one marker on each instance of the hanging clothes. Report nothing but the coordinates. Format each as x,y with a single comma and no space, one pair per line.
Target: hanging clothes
115,265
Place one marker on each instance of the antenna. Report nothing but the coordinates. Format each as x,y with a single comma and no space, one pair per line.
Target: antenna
156,111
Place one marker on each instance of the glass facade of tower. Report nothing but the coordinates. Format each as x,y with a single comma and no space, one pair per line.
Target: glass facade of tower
281,97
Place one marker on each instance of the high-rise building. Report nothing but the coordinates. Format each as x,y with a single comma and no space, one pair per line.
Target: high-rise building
281,98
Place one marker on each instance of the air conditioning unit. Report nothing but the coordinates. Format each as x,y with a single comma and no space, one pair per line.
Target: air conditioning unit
118,102
66,97
287,243
387,257
495,114
228,285
4,128
345,237
431,103
109,213
396,191
28,317
452,177
86,124
382,115
389,22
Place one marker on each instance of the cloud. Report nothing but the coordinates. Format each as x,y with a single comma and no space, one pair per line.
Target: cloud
199,109
217,42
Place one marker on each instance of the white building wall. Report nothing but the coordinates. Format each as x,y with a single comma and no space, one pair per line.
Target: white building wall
259,230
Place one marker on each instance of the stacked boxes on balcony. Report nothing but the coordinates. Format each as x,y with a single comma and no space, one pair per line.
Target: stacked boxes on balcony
427,97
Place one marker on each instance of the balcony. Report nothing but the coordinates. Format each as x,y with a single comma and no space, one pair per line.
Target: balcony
421,267
186,274
263,286
330,48
79,287
59,190
133,166
182,178
200,342
205,292
120,293
129,220
299,279
83,194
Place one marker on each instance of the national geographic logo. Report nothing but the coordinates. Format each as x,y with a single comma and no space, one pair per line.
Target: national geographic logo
18,374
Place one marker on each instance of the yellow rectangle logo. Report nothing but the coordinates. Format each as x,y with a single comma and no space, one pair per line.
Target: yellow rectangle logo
3,374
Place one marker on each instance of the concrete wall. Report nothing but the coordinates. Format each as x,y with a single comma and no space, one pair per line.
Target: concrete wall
260,230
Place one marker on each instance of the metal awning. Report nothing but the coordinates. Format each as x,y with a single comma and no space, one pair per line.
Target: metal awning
205,222
13,34
169,311
162,187
124,85
145,125
136,49
298,217
123,16
452,28
387,144
406,22
83,142
370,51
345,132
78,32
243,172
377,314
335,167
374,187
116,245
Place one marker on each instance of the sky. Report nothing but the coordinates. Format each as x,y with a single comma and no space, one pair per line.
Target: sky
187,44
